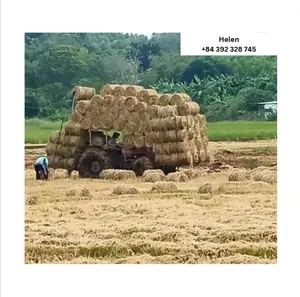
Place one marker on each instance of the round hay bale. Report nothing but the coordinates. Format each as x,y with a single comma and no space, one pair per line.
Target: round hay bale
108,89
96,102
141,107
71,193
82,106
167,111
144,117
130,103
118,102
128,129
179,159
107,124
153,176
75,141
76,117
152,110
84,192
177,177
165,187
83,93
259,184
188,108
108,101
134,119
120,90
171,123
124,189
51,148
145,94
179,98
85,123
267,176
207,188
166,148
128,140
169,136
133,90
240,175
119,123
57,137
67,151
153,100
116,174
70,164
164,99
192,173
72,128
139,141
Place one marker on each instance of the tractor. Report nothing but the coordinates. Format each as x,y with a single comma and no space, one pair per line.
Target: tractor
96,158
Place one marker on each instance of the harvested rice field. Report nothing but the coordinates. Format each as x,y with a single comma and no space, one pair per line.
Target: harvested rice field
225,214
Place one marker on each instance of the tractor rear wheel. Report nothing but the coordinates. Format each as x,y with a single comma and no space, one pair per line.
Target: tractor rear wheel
141,164
92,162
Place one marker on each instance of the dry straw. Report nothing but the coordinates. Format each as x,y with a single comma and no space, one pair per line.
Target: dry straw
130,103
177,177
83,93
82,106
188,108
164,99
108,89
144,95
120,90
178,98
133,90
73,128
112,174
153,176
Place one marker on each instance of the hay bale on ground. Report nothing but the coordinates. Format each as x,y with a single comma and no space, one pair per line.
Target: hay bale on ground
192,173
177,177
240,175
124,189
115,174
83,93
133,90
153,176
208,188
166,187
267,176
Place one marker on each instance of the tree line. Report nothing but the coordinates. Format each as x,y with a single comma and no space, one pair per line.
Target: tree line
227,88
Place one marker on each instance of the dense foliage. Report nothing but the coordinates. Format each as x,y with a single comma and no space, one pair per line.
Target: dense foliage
228,88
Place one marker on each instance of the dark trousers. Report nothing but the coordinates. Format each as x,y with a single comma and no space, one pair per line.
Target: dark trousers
38,168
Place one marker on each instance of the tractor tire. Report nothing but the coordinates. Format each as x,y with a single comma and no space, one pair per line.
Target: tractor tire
141,164
92,162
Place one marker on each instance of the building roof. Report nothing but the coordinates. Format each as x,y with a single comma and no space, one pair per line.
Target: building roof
269,102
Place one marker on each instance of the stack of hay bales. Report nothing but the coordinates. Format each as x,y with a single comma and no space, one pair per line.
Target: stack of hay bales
170,124
177,131
66,146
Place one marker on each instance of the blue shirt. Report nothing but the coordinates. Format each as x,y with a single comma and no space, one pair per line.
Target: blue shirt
42,161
